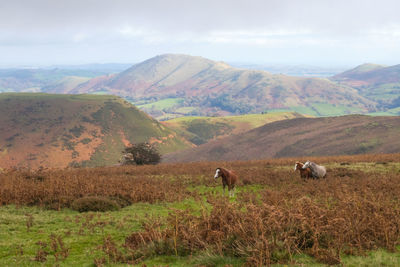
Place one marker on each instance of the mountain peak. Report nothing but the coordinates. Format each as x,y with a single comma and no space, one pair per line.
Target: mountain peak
183,58
167,69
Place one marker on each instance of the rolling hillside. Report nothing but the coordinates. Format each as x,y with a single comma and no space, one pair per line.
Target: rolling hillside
198,86
300,137
63,130
375,82
200,130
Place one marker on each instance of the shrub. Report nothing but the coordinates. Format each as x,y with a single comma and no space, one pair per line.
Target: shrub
122,201
140,154
94,203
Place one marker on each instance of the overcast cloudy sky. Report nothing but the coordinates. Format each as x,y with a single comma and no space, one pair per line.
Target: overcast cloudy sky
313,32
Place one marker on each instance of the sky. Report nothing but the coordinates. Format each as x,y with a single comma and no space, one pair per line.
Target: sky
288,32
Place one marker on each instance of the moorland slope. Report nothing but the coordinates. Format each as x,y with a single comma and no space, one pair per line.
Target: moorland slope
63,130
345,135
200,130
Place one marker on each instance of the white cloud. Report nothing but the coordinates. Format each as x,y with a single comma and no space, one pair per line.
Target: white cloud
207,27
79,37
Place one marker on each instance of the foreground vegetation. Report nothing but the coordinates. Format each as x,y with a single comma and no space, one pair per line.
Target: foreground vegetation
175,215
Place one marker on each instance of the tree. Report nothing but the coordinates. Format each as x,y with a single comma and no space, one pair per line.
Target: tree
140,154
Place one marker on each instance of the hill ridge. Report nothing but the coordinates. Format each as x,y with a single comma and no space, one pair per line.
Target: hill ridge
215,87
299,137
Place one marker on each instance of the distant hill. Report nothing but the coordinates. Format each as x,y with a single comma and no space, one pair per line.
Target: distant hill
293,70
63,130
50,79
370,74
300,137
105,68
200,130
375,82
187,85
172,85
65,84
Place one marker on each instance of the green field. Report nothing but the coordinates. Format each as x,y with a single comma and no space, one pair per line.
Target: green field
162,104
383,93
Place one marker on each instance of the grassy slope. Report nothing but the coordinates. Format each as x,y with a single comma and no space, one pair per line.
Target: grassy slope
55,130
200,130
83,233
353,134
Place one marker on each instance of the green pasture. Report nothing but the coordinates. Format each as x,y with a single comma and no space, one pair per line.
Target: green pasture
162,104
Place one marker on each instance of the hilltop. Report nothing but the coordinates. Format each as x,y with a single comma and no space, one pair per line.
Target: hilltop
200,130
378,83
370,74
345,135
63,130
177,85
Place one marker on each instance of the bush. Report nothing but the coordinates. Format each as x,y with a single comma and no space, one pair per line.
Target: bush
122,201
141,154
94,204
